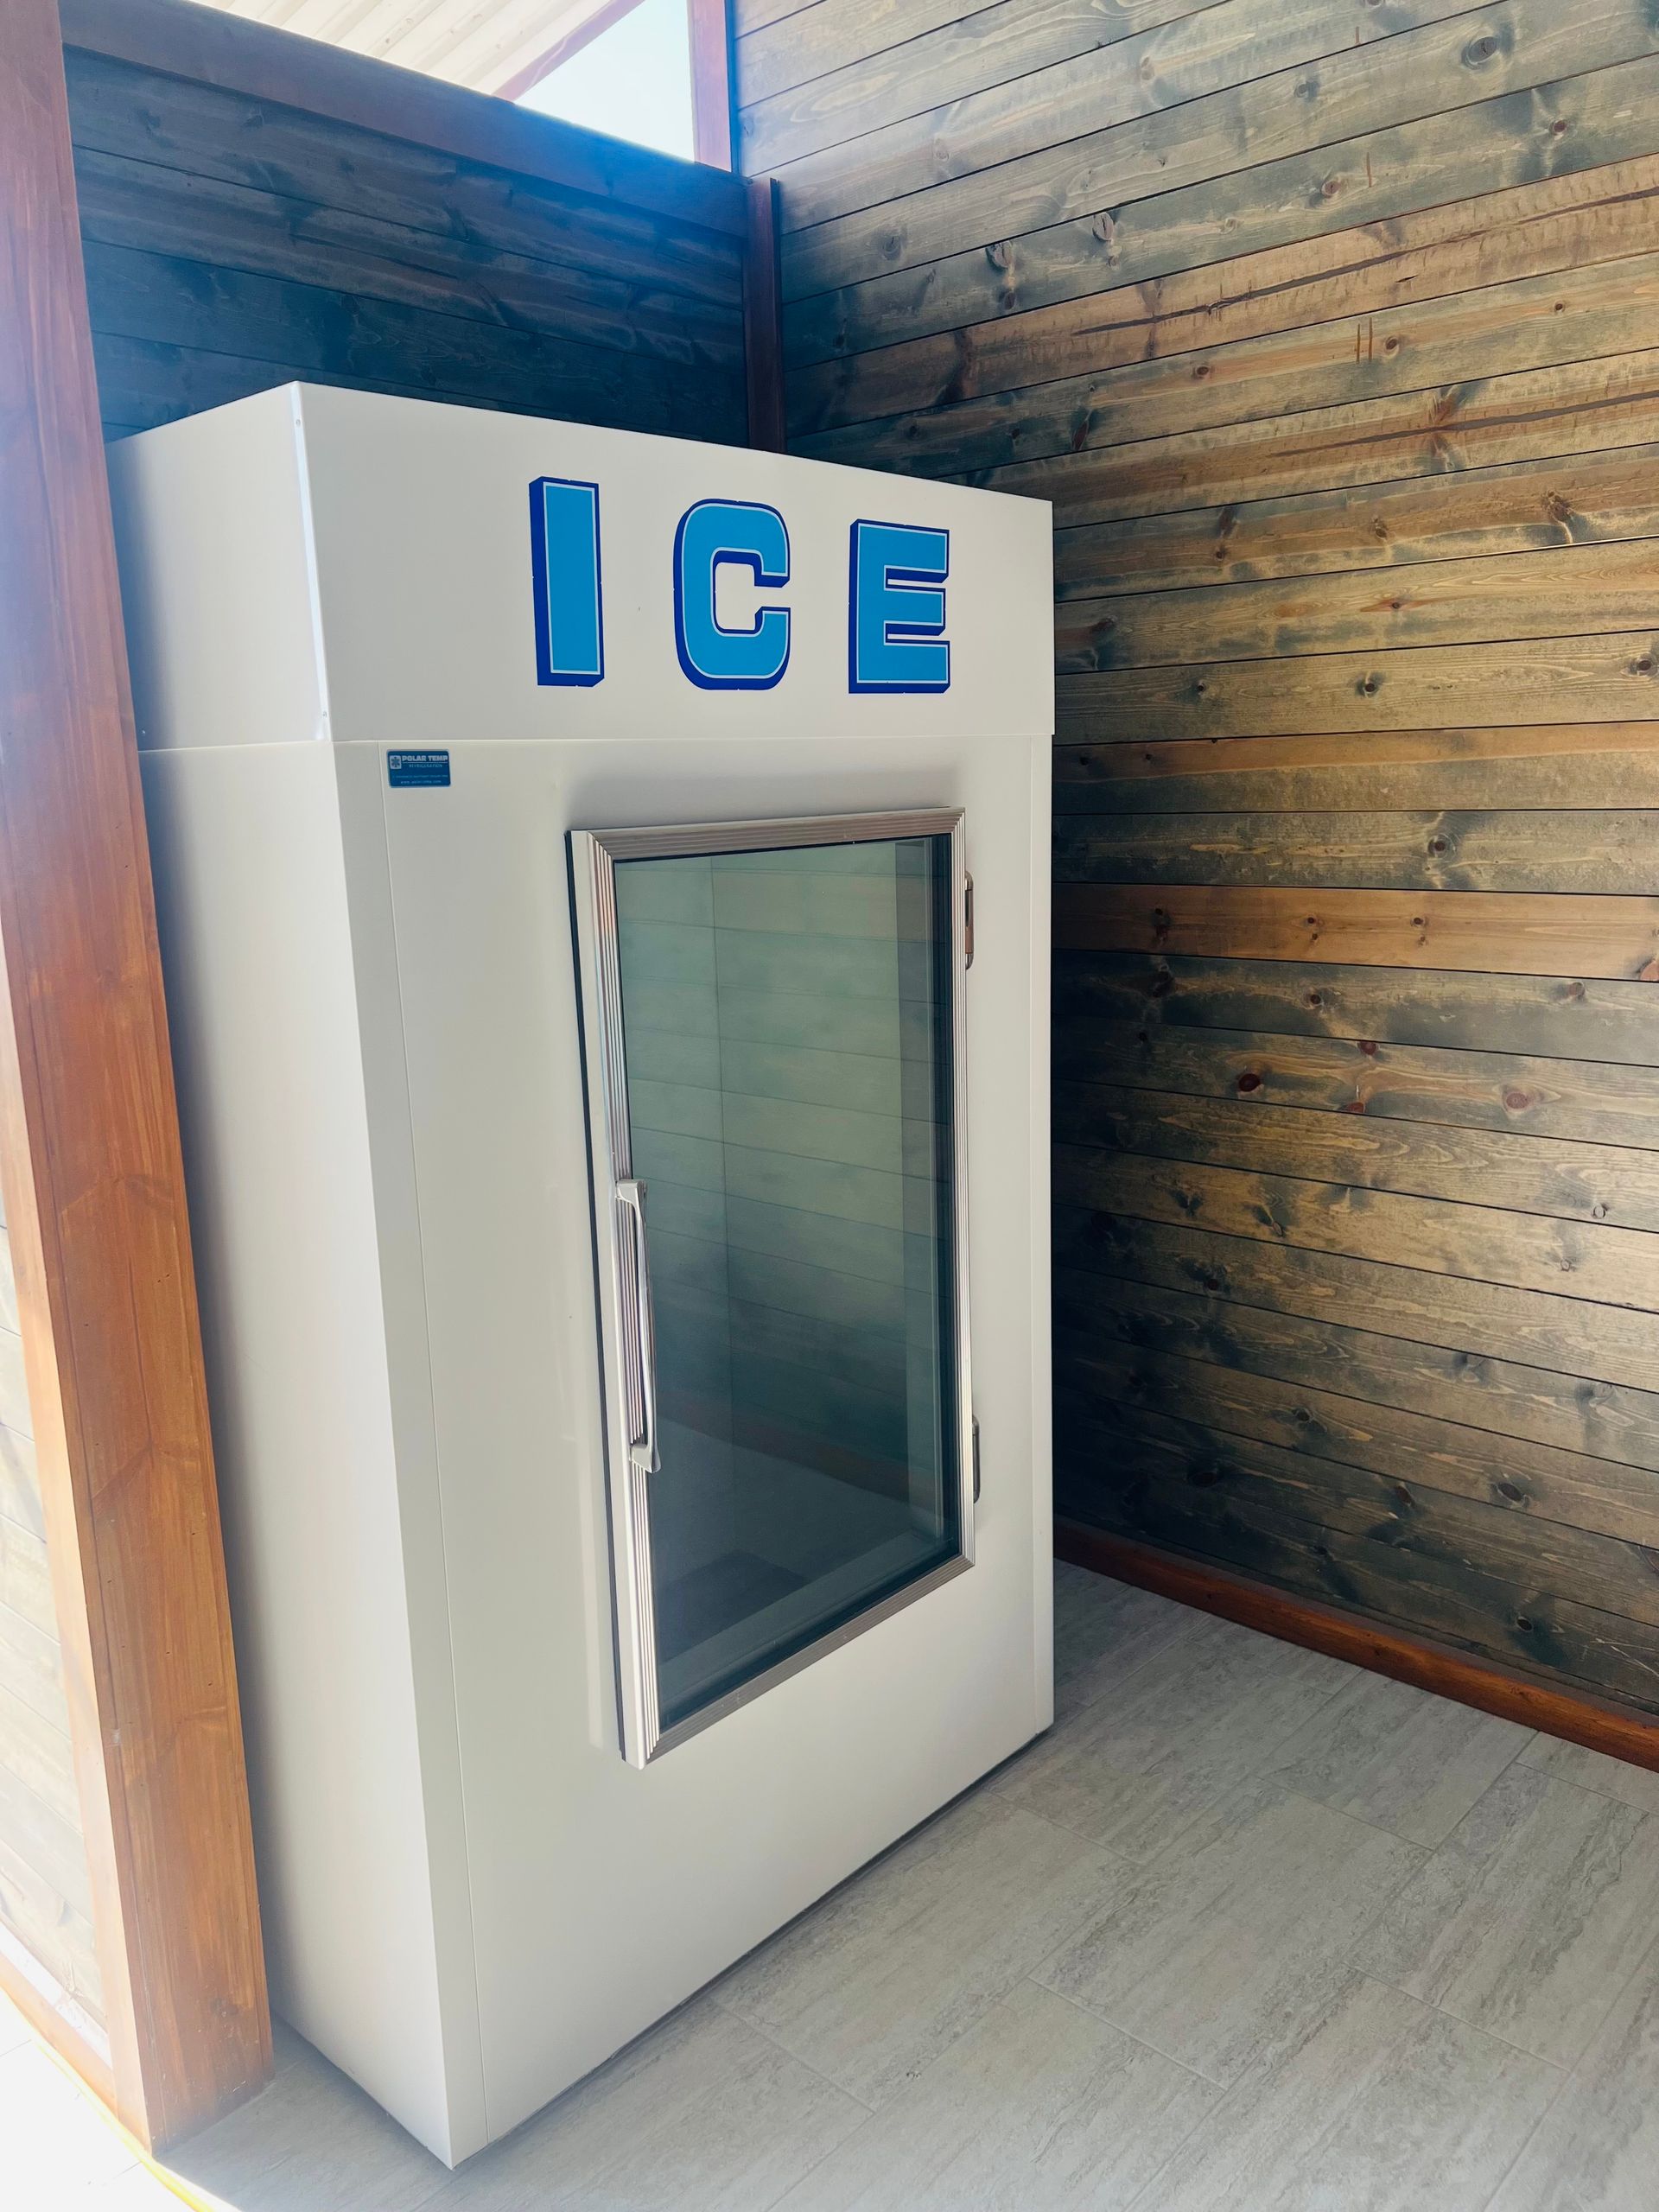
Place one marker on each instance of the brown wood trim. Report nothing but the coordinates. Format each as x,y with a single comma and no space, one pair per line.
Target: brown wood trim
1574,1715
713,135
763,318
185,39
56,2018
94,1189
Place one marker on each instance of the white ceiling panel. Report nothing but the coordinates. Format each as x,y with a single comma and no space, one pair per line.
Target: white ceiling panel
490,45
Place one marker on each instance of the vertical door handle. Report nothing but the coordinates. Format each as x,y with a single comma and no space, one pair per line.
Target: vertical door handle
642,1448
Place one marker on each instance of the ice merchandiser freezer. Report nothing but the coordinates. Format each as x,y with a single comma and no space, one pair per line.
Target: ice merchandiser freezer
603,890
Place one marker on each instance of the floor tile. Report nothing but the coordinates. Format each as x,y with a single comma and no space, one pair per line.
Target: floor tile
1386,2106
875,1983
1039,2108
1529,1917
1134,1771
702,2115
1398,1757
1229,1951
1598,2149
1631,1785
1103,1632
56,2145
310,2142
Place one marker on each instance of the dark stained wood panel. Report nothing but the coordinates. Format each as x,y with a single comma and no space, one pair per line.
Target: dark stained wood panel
1606,1268
127,111
302,330
1610,678
1565,1017
1083,69
1223,1439
783,42
1563,765
1494,1422
1571,592
1514,933
1569,850
1053,129
880,88
1478,1322
1526,1483
1326,328
618,300
1576,122
1442,66
1596,1101
1508,1170
187,41
1598,404
1533,321
1521,509
1563,221
234,241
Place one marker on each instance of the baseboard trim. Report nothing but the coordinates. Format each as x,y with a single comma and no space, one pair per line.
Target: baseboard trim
1598,1724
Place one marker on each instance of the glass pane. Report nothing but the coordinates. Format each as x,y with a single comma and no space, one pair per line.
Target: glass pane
787,1017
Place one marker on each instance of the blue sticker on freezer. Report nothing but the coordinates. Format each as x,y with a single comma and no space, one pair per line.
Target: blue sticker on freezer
417,771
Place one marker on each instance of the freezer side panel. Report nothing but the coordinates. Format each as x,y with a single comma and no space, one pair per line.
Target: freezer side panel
213,529
360,773
251,903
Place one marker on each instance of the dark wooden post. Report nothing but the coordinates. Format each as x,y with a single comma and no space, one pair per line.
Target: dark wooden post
763,318
89,1151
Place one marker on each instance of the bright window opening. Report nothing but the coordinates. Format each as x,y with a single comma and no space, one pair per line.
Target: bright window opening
633,81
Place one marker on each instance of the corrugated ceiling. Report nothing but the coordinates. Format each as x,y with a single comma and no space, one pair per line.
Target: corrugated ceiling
491,46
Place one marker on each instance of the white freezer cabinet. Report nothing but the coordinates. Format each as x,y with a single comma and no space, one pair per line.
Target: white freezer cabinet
621,1207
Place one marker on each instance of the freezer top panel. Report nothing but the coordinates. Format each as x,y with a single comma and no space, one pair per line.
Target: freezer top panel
313,564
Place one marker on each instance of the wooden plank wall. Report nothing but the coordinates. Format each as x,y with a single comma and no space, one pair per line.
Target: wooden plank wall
1327,327
45,1900
235,239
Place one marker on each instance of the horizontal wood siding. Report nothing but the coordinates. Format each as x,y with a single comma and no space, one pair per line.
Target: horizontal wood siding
1325,325
235,239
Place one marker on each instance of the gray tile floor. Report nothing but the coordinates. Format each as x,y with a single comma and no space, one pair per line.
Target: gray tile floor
1250,1931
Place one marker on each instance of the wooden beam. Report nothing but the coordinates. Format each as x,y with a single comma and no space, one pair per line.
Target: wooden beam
89,1152
763,329
214,48
1599,1723
712,136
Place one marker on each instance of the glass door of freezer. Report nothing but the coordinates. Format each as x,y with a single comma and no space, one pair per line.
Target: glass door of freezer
772,1015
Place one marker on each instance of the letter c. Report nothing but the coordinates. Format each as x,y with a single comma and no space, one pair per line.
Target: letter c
743,534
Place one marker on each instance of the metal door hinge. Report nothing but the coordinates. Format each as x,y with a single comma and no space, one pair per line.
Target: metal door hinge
968,922
975,1420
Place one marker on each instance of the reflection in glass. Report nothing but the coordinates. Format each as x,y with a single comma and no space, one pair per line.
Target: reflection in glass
787,1024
